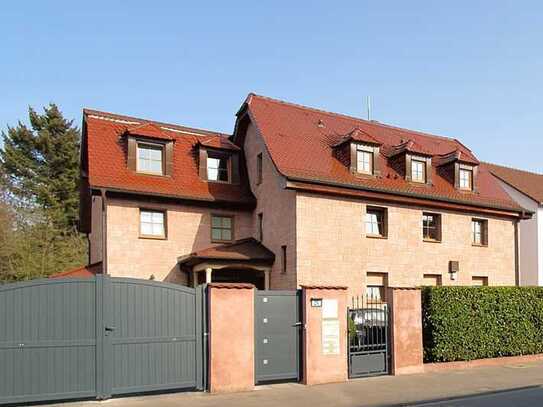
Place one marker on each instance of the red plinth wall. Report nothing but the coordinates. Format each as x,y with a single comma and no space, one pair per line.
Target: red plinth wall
231,337
406,330
320,367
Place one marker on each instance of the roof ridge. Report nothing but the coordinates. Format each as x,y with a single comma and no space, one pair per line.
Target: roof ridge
370,122
513,168
142,121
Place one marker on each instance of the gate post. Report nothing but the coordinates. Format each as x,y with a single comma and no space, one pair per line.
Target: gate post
406,330
231,337
325,334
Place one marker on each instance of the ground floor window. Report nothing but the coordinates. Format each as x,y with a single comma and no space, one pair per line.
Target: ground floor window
432,280
376,285
479,281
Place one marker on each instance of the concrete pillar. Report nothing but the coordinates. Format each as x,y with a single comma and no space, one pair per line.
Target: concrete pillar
325,334
267,279
406,330
209,270
231,337
194,279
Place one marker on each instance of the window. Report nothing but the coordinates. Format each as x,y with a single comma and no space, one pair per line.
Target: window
479,232
432,280
479,281
217,167
418,170
283,259
376,284
364,161
431,227
152,224
465,179
150,158
259,169
222,228
260,226
375,221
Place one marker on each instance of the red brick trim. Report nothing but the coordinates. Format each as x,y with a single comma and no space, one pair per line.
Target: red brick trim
324,287
232,285
471,364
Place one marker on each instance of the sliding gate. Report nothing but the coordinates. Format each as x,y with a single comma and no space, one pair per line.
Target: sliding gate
98,337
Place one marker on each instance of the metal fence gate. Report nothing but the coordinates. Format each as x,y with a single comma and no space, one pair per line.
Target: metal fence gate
369,336
278,330
94,338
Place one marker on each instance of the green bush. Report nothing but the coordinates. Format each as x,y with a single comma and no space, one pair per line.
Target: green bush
466,323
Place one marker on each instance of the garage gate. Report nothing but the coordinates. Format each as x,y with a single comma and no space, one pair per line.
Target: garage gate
95,338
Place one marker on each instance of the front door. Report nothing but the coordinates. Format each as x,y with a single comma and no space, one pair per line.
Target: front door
278,330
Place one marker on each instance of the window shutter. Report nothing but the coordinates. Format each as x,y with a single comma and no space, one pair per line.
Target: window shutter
474,179
202,162
408,167
131,153
168,158
353,158
456,175
234,160
376,162
428,171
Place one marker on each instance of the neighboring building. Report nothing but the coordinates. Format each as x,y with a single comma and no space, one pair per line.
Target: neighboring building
526,188
296,196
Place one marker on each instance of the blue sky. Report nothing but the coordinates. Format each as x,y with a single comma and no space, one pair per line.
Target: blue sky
466,69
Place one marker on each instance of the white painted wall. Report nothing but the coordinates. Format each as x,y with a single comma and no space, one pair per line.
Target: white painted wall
530,238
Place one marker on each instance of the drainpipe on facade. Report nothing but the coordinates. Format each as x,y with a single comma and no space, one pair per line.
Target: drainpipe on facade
104,230
517,251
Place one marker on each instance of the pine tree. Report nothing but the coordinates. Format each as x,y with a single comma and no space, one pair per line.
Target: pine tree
39,197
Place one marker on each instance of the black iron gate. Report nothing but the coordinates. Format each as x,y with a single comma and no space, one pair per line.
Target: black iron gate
98,337
369,340
278,330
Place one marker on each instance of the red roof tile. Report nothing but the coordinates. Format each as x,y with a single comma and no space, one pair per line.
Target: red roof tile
107,167
221,143
249,249
79,272
529,183
300,141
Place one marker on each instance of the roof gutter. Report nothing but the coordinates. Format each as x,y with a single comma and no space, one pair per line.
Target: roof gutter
521,213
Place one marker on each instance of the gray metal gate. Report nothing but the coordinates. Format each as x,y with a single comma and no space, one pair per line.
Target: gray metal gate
368,352
277,336
98,337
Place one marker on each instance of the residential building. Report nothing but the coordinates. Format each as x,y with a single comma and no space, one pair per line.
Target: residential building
526,188
295,196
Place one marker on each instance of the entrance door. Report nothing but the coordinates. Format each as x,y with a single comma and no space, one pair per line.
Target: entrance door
277,336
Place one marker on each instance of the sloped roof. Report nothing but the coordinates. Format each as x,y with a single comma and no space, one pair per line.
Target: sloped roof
107,167
300,141
244,250
529,183
79,272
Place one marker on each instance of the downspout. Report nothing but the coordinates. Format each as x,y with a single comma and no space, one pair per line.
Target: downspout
517,251
104,230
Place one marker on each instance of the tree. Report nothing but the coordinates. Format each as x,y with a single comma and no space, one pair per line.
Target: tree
39,197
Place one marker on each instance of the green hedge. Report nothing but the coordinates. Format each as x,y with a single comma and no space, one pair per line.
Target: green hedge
466,323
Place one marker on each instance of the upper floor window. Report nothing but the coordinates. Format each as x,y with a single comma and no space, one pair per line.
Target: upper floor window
375,221
364,161
259,169
222,228
152,223
150,158
217,167
418,170
465,179
260,226
479,232
431,227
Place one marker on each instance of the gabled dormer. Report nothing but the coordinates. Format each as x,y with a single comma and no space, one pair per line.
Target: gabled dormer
218,160
460,169
149,150
360,152
411,161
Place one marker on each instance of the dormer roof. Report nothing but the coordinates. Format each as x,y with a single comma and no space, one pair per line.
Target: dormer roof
148,130
357,135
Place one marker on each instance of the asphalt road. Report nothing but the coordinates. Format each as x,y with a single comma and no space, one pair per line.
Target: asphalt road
529,397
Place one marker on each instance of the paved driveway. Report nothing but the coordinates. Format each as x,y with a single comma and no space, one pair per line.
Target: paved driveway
511,386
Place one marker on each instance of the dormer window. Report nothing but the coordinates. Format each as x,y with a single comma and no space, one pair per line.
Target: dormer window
465,179
418,170
217,167
150,158
364,159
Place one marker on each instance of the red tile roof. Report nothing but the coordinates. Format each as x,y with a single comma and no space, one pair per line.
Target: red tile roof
107,167
79,272
249,250
529,183
300,141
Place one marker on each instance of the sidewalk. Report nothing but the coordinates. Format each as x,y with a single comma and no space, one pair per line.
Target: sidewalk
376,391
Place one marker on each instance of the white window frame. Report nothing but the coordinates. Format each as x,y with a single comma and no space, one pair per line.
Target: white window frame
462,180
149,146
364,160
414,170
150,225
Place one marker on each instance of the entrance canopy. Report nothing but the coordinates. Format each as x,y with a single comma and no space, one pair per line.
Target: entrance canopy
245,260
